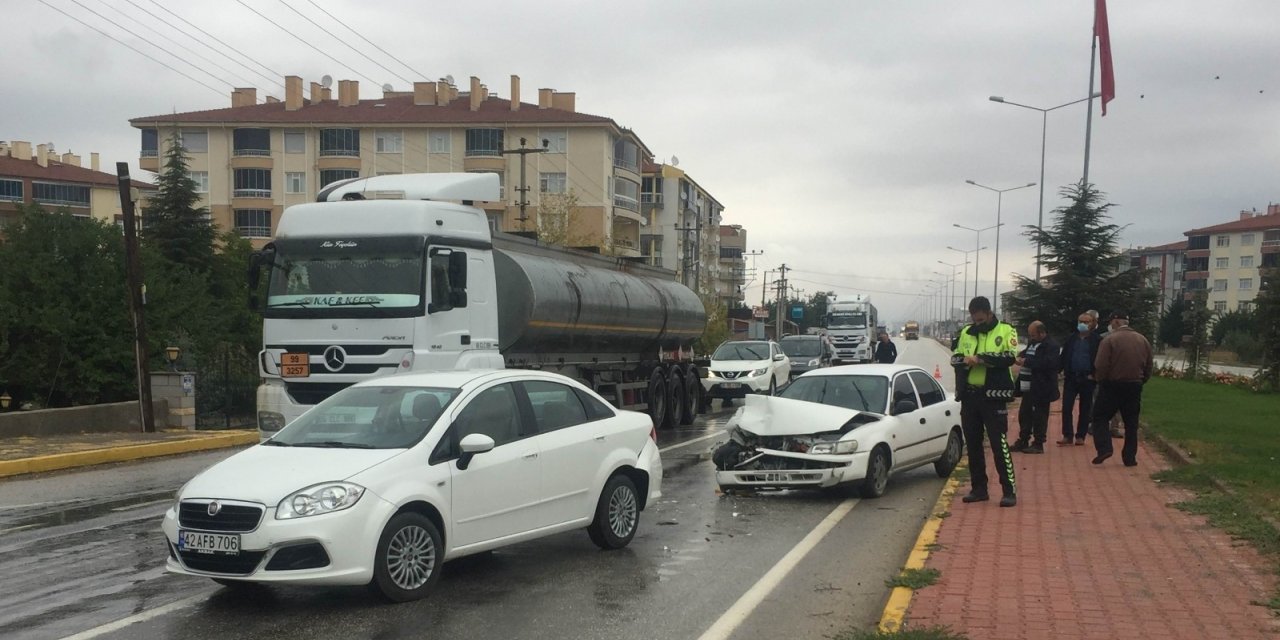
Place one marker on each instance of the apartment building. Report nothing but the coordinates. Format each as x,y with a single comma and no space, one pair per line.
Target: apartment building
682,222
1225,260
733,265
58,181
253,160
1165,263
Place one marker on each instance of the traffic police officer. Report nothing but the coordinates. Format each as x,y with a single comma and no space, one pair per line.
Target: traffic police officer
982,357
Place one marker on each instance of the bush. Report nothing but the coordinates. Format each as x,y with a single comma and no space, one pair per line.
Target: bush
1246,345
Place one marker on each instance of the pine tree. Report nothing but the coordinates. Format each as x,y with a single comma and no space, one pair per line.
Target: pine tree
173,221
1173,325
1267,309
1081,254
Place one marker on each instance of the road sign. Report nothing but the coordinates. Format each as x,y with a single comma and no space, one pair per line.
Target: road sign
759,312
797,312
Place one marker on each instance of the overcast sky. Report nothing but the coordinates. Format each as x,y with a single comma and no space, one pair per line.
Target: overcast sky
840,134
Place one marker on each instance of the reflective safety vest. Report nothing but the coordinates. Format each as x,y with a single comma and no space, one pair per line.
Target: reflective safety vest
997,350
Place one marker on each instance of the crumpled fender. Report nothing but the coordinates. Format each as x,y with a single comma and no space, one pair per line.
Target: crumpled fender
773,416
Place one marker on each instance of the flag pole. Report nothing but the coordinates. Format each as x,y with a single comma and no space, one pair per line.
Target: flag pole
1088,123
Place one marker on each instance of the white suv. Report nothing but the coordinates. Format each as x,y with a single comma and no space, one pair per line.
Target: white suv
747,366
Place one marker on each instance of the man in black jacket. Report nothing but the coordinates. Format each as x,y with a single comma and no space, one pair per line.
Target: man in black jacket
1078,354
886,352
1038,386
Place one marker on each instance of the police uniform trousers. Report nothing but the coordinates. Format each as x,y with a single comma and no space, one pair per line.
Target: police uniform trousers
978,414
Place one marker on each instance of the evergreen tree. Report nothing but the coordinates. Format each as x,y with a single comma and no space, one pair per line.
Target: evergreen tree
1267,308
1081,255
173,221
1173,324
1197,317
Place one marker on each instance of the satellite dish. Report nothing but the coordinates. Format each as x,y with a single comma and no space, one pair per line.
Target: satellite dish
326,81
387,87
448,79
675,162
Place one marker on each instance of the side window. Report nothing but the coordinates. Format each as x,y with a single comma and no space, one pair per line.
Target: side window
555,406
930,391
902,390
596,410
447,275
493,412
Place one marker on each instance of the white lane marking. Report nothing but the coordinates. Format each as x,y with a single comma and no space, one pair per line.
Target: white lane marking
142,504
738,613
689,442
137,617
13,529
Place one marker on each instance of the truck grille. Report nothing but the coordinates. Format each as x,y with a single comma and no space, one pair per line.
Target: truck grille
351,349
231,518
313,392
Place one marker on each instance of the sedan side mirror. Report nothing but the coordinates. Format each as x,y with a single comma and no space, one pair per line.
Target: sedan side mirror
903,406
778,358
472,445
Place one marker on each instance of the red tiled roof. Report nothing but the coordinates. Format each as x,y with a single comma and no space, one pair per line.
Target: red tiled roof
650,167
1256,223
396,109
11,167
1164,248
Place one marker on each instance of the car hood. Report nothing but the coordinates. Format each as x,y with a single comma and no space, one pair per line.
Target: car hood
739,365
268,474
773,416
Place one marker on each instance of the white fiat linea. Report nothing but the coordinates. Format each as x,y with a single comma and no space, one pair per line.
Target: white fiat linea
386,480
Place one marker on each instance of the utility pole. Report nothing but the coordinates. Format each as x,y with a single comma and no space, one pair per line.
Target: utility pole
523,189
133,274
782,292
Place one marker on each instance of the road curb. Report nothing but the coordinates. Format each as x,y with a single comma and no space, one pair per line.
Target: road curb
58,461
895,611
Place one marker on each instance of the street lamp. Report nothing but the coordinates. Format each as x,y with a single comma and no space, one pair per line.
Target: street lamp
1044,130
977,258
171,354
965,294
995,289
5,399
955,266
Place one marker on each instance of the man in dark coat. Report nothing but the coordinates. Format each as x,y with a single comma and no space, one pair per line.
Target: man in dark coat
1038,386
886,352
1078,353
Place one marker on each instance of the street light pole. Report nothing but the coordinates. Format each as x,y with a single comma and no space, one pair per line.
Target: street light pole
995,288
955,266
965,294
977,257
1044,132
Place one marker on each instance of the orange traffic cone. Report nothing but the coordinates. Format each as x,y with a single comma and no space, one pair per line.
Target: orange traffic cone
937,372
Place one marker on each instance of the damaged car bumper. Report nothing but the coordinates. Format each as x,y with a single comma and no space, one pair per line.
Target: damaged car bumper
789,470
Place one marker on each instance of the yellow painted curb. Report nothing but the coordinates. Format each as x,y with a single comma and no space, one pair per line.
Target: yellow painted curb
54,462
896,609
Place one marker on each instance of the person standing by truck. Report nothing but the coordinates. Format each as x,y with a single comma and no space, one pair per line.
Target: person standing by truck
984,352
886,352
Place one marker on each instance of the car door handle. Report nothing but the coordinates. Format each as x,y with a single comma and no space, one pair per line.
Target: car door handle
600,438
530,456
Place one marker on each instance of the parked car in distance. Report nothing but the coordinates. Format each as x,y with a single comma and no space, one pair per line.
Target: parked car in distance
742,367
388,479
807,353
846,426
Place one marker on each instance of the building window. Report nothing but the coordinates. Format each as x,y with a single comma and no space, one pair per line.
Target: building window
340,142
1221,263
1246,306
150,143
552,182
295,141
440,141
251,142
295,182
329,176
253,223
1246,284
1220,305
1246,261
730,253
195,141
626,154
557,140
62,195
251,183
10,190
1220,285
201,178
390,142
626,194
1224,241
1246,239
484,142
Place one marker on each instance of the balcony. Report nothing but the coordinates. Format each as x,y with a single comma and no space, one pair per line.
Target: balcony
1270,246
251,193
339,153
257,152
484,153
626,203
150,153
651,198
1188,276
1196,253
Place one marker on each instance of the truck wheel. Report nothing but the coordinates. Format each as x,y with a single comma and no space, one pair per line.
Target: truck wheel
675,399
689,407
658,399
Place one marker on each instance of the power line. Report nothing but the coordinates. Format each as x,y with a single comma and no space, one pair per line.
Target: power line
308,19
299,39
375,46
136,50
275,80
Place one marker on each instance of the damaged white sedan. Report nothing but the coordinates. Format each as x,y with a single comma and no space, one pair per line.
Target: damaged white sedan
850,426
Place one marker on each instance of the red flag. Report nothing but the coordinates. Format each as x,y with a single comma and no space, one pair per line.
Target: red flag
1103,34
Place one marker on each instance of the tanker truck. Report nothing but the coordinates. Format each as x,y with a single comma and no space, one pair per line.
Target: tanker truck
401,273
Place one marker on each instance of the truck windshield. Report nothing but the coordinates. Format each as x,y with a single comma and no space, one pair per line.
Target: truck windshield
841,319
368,418
348,277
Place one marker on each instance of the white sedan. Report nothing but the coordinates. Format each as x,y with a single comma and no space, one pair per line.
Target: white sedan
386,480
853,425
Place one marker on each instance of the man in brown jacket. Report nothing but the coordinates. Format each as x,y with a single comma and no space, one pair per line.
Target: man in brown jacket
1123,365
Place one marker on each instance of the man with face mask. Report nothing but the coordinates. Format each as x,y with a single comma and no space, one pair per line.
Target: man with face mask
983,354
1123,365
1078,354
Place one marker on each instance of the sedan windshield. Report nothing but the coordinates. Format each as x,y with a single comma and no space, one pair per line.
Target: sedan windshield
802,348
861,393
742,351
368,418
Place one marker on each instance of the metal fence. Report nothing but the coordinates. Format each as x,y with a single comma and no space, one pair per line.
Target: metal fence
226,391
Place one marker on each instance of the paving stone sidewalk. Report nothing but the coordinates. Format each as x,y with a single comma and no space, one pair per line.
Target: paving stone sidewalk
1091,551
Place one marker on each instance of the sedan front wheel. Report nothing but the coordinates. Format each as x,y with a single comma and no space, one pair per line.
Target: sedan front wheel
408,558
877,475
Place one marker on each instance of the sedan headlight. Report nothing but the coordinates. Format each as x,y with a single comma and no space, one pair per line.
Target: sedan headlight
759,372
837,447
318,499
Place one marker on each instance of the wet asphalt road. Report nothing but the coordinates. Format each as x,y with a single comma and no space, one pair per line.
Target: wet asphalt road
81,550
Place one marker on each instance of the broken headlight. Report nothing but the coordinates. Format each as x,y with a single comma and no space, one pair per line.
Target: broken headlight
837,447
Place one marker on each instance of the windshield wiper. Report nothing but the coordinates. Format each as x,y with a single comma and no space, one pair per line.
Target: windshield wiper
276,443
335,444
353,303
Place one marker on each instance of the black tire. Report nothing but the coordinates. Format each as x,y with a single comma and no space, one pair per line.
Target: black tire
408,558
877,475
773,386
658,398
689,400
674,392
617,514
951,455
